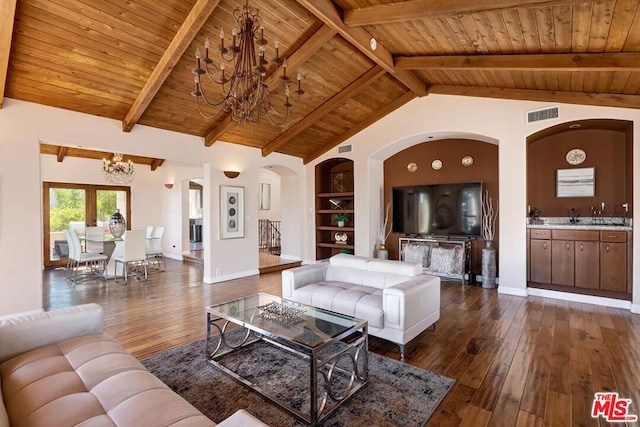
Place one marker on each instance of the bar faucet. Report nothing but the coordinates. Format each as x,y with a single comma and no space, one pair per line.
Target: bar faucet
573,218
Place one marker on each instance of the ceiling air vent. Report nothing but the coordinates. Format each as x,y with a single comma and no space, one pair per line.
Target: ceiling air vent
345,149
543,114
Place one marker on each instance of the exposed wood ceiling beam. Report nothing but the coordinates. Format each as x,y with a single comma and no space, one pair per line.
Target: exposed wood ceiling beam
156,163
84,153
418,9
294,61
619,61
62,151
599,99
328,13
190,27
374,117
336,100
7,15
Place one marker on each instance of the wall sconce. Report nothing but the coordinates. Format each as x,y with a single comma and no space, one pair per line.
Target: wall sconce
168,185
231,174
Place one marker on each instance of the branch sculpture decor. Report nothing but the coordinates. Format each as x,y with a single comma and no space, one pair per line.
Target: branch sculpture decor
385,228
488,218
489,215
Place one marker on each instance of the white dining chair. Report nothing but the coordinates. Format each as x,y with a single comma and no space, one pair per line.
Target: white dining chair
133,257
149,231
94,239
95,263
154,248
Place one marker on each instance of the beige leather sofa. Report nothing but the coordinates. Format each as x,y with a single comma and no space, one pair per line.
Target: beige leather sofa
396,299
59,369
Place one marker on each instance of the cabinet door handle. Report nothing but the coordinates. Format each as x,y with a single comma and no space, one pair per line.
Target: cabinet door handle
607,248
544,246
567,246
581,247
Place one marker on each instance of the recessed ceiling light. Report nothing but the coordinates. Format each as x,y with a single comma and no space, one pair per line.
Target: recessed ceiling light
575,126
373,43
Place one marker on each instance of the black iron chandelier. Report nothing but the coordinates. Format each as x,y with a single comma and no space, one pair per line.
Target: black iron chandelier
244,93
117,171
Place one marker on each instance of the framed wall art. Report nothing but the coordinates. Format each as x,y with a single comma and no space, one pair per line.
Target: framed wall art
580,182
231,212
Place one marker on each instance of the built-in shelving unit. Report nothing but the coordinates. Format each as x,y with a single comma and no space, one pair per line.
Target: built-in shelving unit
334,194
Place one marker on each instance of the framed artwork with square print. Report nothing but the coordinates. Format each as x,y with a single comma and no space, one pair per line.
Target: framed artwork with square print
231,212
579,182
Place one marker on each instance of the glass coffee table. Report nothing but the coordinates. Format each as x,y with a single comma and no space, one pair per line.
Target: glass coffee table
330,349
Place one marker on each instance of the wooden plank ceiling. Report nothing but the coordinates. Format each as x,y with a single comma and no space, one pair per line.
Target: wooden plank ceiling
132,60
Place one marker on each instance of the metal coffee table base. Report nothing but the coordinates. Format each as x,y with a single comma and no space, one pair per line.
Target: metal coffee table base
323,364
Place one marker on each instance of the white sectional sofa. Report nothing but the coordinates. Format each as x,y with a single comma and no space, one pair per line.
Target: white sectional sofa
396,298
59,368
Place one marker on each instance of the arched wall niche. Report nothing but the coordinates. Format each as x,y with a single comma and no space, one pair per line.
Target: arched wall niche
334,191
608,145
450,152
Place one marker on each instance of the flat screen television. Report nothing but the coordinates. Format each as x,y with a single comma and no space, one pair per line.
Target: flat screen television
451,210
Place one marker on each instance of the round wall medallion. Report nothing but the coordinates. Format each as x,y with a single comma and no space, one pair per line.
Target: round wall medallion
467,161
412,167
576,156
436,164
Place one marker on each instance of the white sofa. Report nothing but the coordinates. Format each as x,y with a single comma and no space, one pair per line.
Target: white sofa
59,368
396,299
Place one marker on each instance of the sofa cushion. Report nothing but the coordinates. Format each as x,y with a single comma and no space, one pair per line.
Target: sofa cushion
321,294
89,380
362,302
352,261
345,274
4,418
384,273
22,333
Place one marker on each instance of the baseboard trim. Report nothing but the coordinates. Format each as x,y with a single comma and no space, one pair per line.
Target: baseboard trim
587,299
290,257
227,277
507,290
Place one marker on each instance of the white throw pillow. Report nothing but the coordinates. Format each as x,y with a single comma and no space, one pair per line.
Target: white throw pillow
443,260
417,252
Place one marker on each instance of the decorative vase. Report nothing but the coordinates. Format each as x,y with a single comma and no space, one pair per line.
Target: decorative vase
117,224
489,266
383,253
340,223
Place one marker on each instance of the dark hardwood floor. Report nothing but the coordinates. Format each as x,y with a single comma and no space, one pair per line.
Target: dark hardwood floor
516,361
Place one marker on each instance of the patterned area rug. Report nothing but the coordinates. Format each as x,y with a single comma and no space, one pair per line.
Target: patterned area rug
397,394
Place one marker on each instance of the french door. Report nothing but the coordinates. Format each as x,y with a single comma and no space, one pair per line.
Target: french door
76,206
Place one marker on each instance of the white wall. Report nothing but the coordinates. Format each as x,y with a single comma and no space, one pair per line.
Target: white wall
491,120
24,125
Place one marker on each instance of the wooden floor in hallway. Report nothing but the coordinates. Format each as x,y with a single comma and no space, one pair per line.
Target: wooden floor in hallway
516,361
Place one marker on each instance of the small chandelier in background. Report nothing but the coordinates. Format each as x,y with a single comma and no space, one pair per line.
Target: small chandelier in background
116,171
243,90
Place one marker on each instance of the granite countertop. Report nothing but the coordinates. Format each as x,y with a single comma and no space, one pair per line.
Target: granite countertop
562,223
